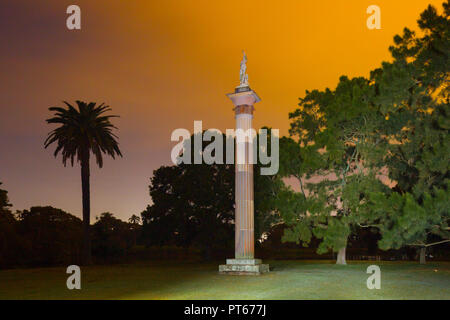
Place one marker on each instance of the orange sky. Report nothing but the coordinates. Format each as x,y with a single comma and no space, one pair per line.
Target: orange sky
161,65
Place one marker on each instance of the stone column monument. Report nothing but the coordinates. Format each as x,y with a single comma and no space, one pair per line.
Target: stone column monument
244,262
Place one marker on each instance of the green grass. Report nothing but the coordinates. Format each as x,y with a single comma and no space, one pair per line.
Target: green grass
176,280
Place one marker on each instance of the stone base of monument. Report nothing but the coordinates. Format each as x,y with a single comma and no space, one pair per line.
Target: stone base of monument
252,267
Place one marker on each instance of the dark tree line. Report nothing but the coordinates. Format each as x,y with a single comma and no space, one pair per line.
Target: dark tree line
47,236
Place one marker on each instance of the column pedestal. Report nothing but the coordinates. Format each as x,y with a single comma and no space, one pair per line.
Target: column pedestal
252,267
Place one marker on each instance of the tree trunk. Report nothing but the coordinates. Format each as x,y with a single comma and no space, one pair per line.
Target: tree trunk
341,256
422,255
86,194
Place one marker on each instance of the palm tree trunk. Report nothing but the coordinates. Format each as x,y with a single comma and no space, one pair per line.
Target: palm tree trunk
86,194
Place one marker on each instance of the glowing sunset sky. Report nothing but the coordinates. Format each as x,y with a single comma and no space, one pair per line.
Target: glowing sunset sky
161,65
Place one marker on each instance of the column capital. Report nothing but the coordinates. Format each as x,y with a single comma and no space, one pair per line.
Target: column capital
243,96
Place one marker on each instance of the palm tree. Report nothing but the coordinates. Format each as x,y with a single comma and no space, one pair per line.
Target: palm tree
81,132
134,219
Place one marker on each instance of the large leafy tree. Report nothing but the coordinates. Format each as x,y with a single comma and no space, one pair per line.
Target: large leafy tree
83,130
397,123
413,93
334,153
193,205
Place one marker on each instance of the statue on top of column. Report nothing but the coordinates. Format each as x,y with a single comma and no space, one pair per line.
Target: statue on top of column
243,76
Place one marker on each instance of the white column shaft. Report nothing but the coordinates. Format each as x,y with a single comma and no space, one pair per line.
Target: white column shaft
244,211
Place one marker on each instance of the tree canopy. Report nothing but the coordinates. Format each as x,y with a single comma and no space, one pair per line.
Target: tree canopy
413,93
344,141
193,205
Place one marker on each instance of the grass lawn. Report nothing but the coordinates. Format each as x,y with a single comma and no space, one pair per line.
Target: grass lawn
176,280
